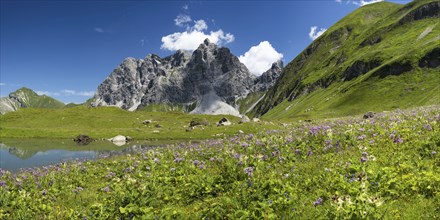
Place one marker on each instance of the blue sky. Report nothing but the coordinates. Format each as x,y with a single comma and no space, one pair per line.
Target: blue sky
67,48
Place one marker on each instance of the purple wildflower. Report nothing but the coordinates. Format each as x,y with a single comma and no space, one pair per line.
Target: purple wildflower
398,140
297,151
314,130
202,166
244,144
434,152
2,183
362,137
110,175
363,159
249,170
156,160
196,162
318,202
309,153
44,192
178,159
427,127
364,154
236,156
106,189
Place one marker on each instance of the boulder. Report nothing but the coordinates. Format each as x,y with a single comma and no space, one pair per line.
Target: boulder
145,122
369,115
197,121
256,120
120,140
224,122
244,119
82,139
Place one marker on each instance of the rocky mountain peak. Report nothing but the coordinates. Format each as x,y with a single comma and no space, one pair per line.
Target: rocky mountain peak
268,78
183,78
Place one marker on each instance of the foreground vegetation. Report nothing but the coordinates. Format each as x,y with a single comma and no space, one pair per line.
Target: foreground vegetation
385,167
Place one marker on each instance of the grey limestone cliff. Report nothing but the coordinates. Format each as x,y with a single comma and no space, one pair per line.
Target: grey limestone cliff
183,78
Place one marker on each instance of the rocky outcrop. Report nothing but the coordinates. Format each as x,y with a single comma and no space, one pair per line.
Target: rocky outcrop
431,59
82,139
359,68
211,77
430,10
268,78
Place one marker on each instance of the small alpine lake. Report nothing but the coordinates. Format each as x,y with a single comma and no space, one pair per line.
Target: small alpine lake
18,153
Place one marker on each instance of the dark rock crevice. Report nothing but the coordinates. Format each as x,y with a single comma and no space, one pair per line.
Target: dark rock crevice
431,59
359,68
393,69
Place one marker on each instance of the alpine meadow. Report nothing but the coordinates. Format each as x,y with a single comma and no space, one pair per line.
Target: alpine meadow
348,128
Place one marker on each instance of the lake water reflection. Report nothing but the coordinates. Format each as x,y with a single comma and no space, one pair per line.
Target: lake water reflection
26,153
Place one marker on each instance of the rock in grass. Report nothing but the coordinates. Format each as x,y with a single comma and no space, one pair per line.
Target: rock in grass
224,122
82,139
197,121
145,122
369,115
244,119
256,120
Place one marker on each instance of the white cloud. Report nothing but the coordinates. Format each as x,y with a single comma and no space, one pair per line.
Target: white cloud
314,33
185,7
99,30
48,93
182,20
260,58
200,25
194,36
88,93
66,92
2,84
359,2
367,2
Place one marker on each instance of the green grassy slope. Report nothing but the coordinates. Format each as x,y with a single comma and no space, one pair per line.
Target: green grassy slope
106,122
380,57
33,100
27,98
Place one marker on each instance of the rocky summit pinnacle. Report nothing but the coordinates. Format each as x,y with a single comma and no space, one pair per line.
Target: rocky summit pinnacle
183,78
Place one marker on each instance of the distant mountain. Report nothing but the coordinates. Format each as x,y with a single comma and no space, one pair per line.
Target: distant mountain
209,80
381,56
27,98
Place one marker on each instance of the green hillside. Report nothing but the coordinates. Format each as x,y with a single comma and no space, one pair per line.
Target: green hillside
382,56
27,98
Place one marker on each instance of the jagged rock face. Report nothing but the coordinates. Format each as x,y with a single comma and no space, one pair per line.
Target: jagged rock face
268,78
182,78
151,80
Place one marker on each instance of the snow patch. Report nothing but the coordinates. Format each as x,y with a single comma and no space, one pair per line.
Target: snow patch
212,104
135,105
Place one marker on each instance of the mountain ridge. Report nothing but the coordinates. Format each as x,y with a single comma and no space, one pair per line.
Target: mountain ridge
27,98
183,78
376,45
